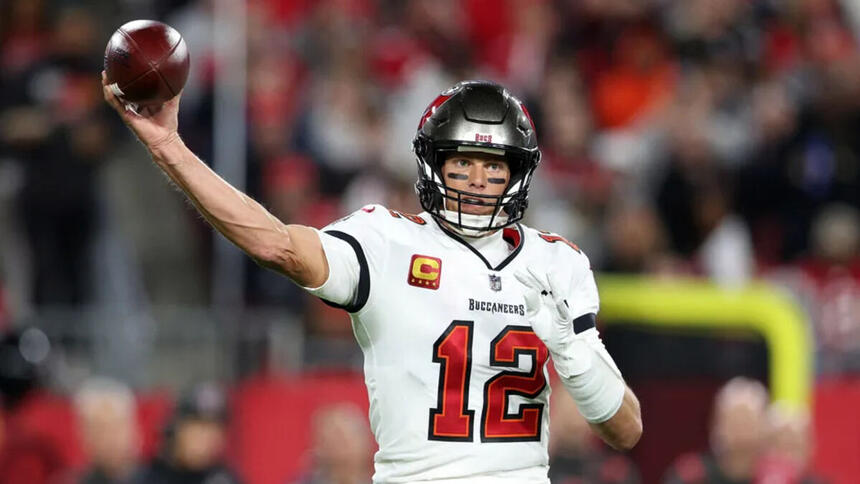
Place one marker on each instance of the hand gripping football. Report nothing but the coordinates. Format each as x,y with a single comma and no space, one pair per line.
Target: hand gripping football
146,62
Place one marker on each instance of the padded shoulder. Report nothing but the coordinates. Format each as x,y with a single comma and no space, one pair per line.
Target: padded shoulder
553,253
556,248
375,219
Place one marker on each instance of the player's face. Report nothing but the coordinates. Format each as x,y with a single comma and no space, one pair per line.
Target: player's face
479,174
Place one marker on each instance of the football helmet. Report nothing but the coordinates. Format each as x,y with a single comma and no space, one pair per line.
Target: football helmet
477,116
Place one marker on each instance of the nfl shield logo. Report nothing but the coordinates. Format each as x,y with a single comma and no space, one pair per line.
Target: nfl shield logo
495,282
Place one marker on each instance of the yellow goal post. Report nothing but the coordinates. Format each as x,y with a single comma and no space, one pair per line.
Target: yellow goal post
700,305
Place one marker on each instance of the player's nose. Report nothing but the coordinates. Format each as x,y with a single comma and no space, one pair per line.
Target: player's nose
478,176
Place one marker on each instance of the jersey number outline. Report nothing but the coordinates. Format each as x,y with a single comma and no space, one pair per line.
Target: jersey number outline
552,238
408,216
452,421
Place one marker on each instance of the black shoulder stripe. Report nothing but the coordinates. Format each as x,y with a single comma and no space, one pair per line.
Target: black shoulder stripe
584,322
363,274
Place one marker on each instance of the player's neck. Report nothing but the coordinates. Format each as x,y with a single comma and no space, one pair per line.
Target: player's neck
491,246
482,236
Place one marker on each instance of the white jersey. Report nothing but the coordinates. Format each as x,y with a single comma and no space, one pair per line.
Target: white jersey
456,378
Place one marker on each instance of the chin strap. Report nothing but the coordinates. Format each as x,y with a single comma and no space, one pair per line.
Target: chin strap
454,219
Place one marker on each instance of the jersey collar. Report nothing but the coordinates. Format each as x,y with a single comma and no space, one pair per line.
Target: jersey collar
515,235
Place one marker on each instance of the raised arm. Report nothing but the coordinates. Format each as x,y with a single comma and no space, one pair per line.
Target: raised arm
293,250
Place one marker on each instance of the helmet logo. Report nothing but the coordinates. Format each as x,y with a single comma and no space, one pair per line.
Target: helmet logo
483,138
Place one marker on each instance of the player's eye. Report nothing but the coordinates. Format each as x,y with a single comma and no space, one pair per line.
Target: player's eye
494,166
461,163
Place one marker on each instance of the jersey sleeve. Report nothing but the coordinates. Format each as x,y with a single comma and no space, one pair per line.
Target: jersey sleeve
352,245
584,305
570,263
344,272
583,297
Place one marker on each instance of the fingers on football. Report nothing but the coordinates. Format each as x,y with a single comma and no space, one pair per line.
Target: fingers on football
174,100
149,111
110,97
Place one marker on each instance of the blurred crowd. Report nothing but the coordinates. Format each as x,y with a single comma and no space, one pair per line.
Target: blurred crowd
707,138
105,433
97,435
751,440
701,137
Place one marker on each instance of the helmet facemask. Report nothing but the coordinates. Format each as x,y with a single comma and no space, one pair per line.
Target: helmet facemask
468,118
508,207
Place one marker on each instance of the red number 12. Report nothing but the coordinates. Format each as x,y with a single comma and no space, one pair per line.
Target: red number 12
451,420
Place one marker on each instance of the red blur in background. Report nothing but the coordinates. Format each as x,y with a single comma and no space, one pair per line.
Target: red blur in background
270,429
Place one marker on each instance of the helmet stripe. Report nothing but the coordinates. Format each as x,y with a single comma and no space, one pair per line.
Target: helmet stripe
526,111
440,100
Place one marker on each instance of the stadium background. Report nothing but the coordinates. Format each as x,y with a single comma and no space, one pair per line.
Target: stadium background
703,143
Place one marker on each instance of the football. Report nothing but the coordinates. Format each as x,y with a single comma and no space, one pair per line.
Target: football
146,62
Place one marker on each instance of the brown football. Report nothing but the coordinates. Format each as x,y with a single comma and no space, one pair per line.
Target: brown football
146,62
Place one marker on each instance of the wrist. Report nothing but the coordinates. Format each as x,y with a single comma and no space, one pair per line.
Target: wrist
571,356
595,386
166,149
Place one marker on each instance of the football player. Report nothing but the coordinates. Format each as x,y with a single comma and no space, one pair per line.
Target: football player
457,309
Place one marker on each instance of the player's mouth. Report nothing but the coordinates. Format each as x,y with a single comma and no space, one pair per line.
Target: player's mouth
476,206
474,201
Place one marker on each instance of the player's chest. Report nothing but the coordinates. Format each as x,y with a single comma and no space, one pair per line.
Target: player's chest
435,272
434,285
